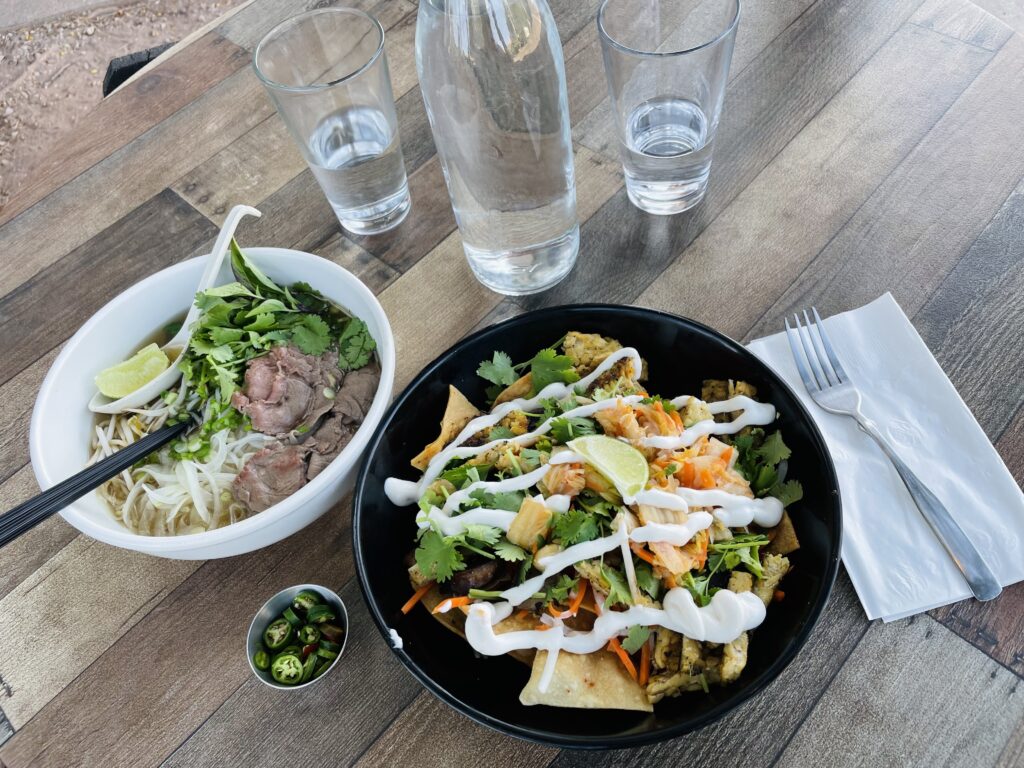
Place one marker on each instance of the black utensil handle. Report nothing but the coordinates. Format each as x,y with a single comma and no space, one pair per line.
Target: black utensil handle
27,515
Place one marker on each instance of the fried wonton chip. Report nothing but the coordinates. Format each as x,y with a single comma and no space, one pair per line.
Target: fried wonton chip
782,538
457,414
521,387
585,681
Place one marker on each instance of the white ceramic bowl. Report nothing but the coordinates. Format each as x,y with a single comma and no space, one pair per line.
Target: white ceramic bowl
61,428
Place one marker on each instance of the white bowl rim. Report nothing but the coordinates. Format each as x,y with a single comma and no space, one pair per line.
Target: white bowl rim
139,542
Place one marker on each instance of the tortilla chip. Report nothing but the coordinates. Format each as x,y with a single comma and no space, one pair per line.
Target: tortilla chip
457,414
585,681
521,387
782,537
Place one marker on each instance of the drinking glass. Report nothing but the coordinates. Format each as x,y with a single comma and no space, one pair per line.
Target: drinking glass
327,74
667,62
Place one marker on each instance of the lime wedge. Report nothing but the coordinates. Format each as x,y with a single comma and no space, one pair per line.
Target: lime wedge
141,368
620,462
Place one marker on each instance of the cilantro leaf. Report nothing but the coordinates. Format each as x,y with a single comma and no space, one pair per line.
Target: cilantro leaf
636,637
486,534
575,526
355,345
510,501
788,492
773,450
559,591
510,552
548,367
700,587
564,429
500,433
618,588
312,336
438,557
498,370
647,581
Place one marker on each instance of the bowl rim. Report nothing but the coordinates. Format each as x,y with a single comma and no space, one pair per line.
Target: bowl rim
552,738
332,597
83,521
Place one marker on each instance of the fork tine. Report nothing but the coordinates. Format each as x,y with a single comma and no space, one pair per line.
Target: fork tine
831,376
812,359
794,345
832,356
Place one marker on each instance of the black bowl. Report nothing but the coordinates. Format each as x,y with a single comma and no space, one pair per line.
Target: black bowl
680,354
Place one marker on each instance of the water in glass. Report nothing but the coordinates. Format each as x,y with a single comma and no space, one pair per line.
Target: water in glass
493,81
358,162
667,157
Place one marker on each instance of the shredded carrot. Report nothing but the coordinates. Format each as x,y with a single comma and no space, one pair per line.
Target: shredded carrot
553,610
779,595
641,551
727,454
677,419
688,474
522,613
451,602
645,663
416,597
616,646
542,627
577,601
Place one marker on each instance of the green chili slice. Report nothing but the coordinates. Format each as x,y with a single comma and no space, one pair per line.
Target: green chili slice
307,668
277,634
261,659
327,645
322,668
306,600
323,653
287,669
290,649
318,614
309,634
291,617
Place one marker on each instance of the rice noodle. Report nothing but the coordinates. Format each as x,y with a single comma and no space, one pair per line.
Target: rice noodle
166,496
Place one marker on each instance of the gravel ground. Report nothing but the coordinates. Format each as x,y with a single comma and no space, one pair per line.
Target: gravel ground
52,72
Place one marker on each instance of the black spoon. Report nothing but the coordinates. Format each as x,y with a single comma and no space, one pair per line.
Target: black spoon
29,514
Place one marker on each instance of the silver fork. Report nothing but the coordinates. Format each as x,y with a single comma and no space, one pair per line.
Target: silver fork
830,387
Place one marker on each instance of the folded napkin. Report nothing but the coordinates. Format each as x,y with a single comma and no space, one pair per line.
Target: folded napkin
895,562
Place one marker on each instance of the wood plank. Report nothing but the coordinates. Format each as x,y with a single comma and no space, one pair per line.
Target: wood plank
372,271
908,217
182,660
890,705
129,112
17,397
995,627
100,196
313,732
23,556
777,711
761,22
1013,753
6,729
413,739
973,324
160,232
832,167
88,592
768,103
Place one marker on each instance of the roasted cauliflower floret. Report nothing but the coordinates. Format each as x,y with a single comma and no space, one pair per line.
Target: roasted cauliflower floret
588,350
774,568
695,410
740,581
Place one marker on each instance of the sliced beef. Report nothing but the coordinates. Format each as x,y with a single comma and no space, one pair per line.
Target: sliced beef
351,402
286,389
271,475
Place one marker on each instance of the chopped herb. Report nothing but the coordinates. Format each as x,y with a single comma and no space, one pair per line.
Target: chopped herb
558,592
498,370
548,367
506,550
667,404
355,345
575,526
500,433
618,588
646,580
635,638
564,429
438,557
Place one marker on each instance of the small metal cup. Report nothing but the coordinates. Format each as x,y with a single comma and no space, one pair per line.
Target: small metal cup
273,608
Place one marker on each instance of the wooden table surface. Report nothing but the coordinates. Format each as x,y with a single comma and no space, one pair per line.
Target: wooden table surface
865,147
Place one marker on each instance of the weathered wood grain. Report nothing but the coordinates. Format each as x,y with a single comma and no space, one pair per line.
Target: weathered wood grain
912,694
1013,753
128,112
17,396
412,739
6,729
330,723
777,711
372,271
138,701
929,211
995,627
115,186
833,165
33,318
975,327
23,556
88,593
767,104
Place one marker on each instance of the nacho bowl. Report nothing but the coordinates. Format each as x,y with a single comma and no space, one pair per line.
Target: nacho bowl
680,353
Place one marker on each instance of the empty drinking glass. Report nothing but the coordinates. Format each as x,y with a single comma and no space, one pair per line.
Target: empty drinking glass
327,74
667,62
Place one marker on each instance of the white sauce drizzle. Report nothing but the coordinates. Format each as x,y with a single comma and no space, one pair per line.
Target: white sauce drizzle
721,621
396,639
754,414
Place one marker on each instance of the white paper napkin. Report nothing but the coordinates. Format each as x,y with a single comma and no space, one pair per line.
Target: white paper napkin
897,565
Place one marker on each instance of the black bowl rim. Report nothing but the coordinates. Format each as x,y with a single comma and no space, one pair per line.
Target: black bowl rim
553,738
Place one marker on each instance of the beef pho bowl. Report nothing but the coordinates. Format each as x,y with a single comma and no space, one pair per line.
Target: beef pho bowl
287,374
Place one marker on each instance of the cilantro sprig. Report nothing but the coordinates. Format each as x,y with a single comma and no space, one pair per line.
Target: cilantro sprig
546,367
760,457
